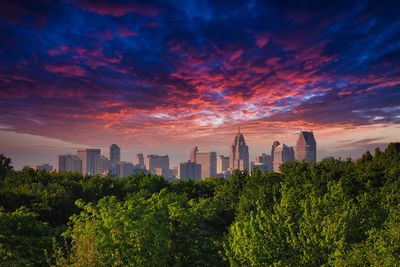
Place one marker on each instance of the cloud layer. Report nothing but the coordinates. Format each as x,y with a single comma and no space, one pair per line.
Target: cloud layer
96,71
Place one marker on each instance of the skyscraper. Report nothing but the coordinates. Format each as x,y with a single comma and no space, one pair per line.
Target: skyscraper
282,153
101,164
69,163
306,147
156,161
140,161
207,160
193,153
189,170
115,157
275,144
222,163
88,157
263,162
124,169
239,153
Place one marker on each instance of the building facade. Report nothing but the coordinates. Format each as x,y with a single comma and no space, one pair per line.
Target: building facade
263,162
208,162
115,157
239,153
69,163
282,154
102,164
189,170
88,157
222,163
156,161
306,147
124,169
140,161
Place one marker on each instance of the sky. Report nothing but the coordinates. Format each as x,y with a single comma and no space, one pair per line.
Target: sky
159,77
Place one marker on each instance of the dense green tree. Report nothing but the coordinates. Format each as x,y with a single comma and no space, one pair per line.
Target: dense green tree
24,241
5,166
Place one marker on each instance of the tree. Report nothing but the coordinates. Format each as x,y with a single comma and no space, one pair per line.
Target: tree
5,166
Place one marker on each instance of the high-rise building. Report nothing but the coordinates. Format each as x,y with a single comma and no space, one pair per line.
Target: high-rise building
282,153
115,157
101,164
189,170
62,163
46,167
193,153
274,144
239,153
208,162
69,163
88,157
124,169
156,161
139,161
222,163
263,162
306,147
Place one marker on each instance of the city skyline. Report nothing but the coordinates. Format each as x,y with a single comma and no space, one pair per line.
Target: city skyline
160,77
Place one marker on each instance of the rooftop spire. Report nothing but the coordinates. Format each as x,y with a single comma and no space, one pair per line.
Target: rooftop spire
239,129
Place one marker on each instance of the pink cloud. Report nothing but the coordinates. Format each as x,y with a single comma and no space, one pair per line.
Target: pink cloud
118,10
66,70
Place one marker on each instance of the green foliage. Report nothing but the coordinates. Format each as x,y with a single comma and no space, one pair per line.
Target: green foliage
23,239
5,166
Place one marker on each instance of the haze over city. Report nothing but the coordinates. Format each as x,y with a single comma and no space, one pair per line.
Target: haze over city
160,77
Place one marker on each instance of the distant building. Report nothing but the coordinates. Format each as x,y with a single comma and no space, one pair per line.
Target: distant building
274,145
115,157
156,161
69,163
102,164
46,167
222,163
189,170
306,147
282,154
140,161
88,157
124,169
193,153
239,153
208,162
263,162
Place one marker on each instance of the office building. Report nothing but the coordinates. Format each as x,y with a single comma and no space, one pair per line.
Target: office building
193,153
115,157
189,170
306,147
124,169
88,157
274,145
156,161
239,153
102,165
222,163
263,162
208,162
139,161
282,154
45,167
69,163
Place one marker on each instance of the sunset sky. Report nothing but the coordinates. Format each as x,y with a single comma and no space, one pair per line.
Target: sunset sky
163,76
